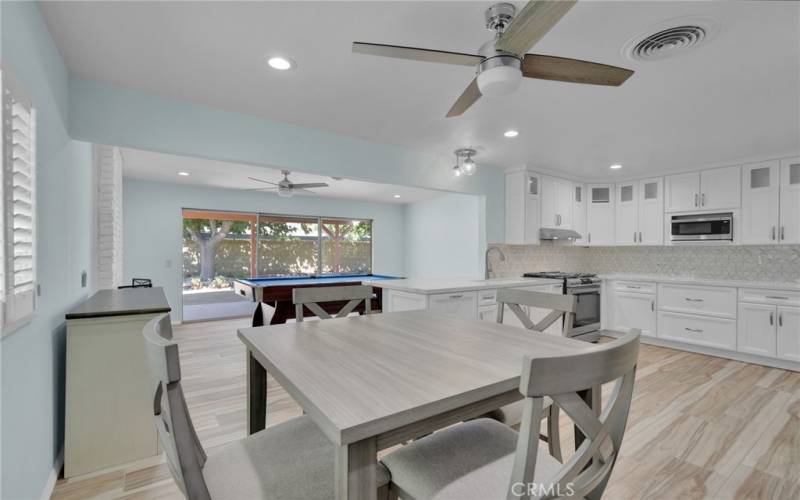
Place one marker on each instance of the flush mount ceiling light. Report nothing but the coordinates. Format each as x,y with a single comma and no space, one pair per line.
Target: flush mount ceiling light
396,196
615,166
281,63
183,174
511,133
468,166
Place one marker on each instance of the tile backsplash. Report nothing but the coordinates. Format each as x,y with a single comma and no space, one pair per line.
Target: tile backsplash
752,263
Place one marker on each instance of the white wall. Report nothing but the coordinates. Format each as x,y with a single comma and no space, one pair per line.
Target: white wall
152,226
445,237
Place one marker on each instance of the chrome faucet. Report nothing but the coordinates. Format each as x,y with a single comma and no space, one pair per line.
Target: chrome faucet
488,266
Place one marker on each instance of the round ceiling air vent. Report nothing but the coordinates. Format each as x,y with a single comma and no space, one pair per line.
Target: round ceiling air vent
671,38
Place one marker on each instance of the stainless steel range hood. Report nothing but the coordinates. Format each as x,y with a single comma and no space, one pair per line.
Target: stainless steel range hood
550,233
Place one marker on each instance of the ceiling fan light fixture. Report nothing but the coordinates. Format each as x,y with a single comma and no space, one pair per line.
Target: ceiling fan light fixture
615,166
511,133
281,63
499,80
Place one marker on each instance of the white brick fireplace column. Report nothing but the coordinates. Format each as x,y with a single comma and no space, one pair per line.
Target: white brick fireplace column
108,172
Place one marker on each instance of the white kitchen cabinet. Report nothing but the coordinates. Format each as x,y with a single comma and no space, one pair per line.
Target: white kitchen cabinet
395,300
682,192
721,188
633,310
556,202
719,333
790,201
760,222
788,333
757,329
651,211
714,189
627,213
522,207
600,215
697,299
487,313
579,212
463,304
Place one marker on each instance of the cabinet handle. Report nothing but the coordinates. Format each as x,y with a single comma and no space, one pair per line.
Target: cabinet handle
695,330
771,318
634,236
703,199
590,238
633,286
488,297
695,200
693,300
783,233
773,233
652,305
780,319
457,296
640,236
775,297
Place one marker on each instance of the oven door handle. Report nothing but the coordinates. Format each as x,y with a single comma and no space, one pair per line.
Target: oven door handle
583,290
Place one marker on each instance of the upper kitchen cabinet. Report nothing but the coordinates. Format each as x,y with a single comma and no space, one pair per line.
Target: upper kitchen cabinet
523,190
789,232
714,189
600,215
640,212
556,202
579,212
760,221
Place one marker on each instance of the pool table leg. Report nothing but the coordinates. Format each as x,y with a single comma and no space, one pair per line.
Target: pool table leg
283,310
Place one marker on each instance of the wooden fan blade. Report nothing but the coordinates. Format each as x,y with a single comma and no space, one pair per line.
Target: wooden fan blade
261,180
309,185
262,189
563,69
416,54
531,24
467,98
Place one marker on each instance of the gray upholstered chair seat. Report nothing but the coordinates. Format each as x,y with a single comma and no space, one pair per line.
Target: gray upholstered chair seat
291,460
512,414
472,460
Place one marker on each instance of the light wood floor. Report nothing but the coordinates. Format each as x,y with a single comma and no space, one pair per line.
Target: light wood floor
699,426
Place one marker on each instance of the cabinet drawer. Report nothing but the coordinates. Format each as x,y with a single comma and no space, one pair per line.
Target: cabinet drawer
694,299
778,298
487,297
701,330
464,304
634,286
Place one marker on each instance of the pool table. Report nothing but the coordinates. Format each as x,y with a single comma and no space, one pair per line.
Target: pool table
277,292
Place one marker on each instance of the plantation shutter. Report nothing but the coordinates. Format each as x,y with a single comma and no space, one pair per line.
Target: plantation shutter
19,200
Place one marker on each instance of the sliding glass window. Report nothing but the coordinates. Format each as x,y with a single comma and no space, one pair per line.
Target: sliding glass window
287,245
346,246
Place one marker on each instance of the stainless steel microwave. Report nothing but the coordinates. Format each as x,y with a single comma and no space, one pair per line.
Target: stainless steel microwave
702,227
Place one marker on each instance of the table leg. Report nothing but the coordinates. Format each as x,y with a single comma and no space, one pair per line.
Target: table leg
256,395
356,465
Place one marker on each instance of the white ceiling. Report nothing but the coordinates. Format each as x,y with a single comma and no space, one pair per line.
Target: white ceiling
736,97
159,167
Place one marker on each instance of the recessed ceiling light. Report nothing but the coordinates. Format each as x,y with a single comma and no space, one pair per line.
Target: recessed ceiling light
511,133
281,63
615,166
396,196
183,174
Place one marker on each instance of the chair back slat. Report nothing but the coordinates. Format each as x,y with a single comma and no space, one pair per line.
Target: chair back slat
561,378
560,305
310,298
185,454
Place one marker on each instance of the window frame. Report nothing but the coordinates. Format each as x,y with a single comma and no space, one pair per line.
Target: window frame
12,319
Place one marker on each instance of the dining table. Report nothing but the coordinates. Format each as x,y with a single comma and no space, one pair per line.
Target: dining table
375,381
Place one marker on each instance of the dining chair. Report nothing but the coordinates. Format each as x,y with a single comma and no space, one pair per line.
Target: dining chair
138,283
289,460
561,306
311,298
484,459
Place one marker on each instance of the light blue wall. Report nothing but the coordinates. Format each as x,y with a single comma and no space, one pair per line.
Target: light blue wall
33,357
444,237
105,114
152,226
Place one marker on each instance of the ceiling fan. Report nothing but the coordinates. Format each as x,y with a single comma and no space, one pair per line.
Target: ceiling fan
287,188
502,61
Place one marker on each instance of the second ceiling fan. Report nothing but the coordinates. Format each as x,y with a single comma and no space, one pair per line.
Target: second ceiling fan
502,61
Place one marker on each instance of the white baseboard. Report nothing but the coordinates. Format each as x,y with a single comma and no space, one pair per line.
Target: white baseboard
50,485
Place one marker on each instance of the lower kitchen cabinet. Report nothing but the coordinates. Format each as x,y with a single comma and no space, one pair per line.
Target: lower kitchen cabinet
633,310
708,331
788,333
757,329
463,304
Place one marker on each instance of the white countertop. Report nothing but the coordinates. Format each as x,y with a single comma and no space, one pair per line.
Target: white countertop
688,280
430,286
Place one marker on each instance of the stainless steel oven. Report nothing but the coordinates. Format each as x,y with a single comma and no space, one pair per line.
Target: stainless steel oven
702,227
587,315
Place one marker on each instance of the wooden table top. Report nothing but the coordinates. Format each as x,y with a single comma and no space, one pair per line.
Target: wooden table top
121,302
358,377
